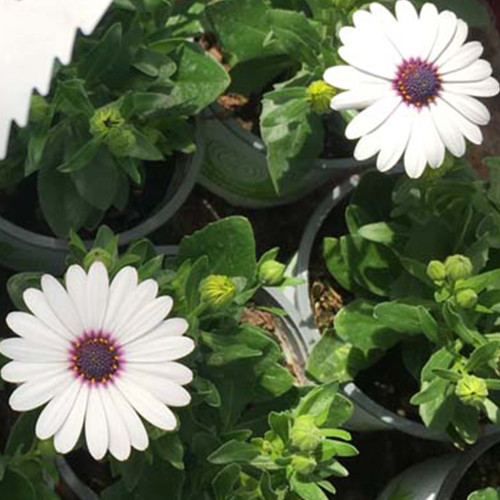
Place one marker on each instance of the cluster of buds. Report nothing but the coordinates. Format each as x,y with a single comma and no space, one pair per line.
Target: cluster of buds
472,390
108,124
305,437
449,274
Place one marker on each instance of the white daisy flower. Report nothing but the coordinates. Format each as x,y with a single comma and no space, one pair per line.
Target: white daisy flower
99,355
417,79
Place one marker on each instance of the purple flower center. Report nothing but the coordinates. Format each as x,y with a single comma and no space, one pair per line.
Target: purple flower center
418,82
95,357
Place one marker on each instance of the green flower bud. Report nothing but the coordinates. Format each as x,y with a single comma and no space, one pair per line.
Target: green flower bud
458,267
436,270
303,465
105,119
98,255
305,435
120,141
320,94
467,298
271,272
472,390
39,109
217,291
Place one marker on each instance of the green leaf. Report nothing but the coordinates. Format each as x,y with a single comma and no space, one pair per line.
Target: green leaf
62,206
372,265
83,156
356,324
402,318
199,80
456,322
241,27
169,448
380,232
72,98
480,282
482,356
296,35
22,435
143,148
487,494
290,132
98,182
229,245
333,360
16,486
18,284
438,412
307,491
280,424
430,391
234,451
223,483
329,408
103,55
332,253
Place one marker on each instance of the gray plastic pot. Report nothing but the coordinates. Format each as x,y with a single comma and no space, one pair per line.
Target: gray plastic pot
368,414
295,351
23,250
436,479
235,166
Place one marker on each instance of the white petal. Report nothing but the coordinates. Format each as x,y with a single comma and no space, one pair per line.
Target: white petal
123,285
409,41
165,390
448,130
171,370
455,44
169,349
61,304
372,117
369,145
471,108
37,303
429,27
361,97
55,413
415,155
96,428
173,327
466,127
135,428
119,440
484,88
433,144
22,350
347,77
36,393
383,14
97,294
67,436
18,372
146,319
147,405
34,330
478,70
370,59
76,285
394,137
466,56
446,32
133,303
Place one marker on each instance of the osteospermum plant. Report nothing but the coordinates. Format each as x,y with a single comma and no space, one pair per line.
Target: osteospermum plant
97,352
418,274
417,81
109,353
